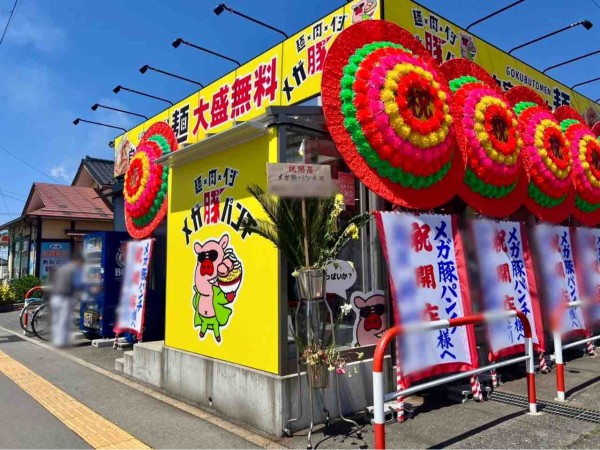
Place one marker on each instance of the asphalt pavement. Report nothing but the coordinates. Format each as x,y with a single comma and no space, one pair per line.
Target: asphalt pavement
439,421
152,421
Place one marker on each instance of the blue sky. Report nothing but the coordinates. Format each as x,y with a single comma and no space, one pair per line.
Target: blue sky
60,57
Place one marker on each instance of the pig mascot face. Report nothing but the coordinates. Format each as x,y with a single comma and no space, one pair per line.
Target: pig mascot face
217,277
363,10
210,258
371,317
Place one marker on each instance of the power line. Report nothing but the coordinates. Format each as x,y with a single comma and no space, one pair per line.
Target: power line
12,14
14,193
28,165
4,200
595,3
19,199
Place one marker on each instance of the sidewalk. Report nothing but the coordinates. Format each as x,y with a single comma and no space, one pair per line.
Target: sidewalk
155,423
438,423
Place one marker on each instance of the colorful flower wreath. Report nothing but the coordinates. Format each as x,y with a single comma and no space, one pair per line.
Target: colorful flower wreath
387,109
146,182
546,154
585,150
488,136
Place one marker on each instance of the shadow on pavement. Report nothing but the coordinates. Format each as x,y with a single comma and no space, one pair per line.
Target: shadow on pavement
480,429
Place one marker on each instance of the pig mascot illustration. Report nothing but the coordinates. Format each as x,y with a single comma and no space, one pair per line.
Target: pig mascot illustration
371,317
468,50
363,10
217,278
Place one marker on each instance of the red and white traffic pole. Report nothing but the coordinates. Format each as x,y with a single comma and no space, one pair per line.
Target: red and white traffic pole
530,368
378,389
378,357
560,366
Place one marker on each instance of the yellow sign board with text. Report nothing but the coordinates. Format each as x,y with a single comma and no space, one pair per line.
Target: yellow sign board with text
286,74
222,281
304,53
445,40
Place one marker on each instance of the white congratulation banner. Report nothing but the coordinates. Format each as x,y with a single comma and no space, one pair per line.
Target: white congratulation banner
300,180
428,277
557,270
130,314
507,283
587,267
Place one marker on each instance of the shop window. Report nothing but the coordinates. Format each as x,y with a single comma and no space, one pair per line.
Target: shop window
16,252
317,148
24,260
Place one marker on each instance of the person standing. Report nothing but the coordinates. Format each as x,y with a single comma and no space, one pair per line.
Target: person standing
67,281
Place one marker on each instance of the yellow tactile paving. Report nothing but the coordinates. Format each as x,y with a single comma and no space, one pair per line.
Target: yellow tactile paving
90,426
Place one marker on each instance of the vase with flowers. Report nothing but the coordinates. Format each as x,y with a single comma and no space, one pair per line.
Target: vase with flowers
310,234
321,357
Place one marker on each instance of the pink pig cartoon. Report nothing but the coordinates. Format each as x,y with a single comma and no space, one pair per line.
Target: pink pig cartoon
217,277
371,317
363,10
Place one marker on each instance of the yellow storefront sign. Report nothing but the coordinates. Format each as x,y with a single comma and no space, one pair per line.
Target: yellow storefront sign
304,53
286,74
445,40
222,282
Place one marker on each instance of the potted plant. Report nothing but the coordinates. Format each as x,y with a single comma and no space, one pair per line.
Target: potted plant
309,235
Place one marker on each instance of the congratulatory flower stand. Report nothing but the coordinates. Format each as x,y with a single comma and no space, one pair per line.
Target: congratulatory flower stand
313,332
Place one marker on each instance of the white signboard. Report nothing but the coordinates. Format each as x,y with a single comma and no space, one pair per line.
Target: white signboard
428,278
557,269
587,267
300,180
506,283
341,276
130,315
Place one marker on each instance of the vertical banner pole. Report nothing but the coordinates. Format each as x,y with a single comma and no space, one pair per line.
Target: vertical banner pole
543,365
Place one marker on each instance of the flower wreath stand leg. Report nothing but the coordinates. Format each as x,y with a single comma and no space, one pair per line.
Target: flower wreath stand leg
309,333
319,226
287,431
337,381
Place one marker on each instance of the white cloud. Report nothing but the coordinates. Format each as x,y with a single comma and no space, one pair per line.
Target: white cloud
60,172
31,27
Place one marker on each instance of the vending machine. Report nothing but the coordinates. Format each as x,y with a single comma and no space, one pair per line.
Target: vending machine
104,260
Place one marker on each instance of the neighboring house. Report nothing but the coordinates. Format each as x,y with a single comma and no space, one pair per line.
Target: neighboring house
95,173
56,217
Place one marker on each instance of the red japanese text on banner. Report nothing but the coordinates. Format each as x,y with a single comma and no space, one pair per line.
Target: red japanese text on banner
554,254
507,283
587,268
429,282
130,315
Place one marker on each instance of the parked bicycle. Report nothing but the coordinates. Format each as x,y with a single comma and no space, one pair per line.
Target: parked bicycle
41,322
34,298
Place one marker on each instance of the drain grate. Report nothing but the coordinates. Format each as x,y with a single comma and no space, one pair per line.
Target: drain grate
571,412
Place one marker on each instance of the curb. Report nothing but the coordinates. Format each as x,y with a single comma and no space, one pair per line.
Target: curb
11,307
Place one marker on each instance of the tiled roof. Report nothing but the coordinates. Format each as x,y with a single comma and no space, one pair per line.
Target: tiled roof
72,202
101,169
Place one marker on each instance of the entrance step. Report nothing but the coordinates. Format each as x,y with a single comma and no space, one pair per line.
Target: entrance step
144,362
128,363
101,343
